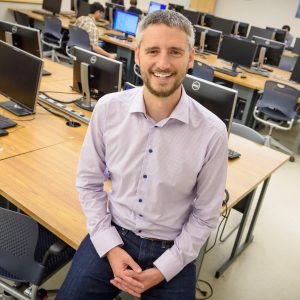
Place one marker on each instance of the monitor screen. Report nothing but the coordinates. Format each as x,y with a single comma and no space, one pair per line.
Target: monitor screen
237,51
296,48
224,25
75,4
262,32
206,20
83,9
240,28
207,39
192,15
120,2
125,22
273,53
176,7
20,75
23,37
52,5
153,6
218,99
280,34
296,71
104,74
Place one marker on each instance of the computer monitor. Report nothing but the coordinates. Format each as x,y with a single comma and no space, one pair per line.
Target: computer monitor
268,52
176,7
296,48
206,39
240,28
110,9
280,34
262,32
239,52
206,20
125,22
20,75
52,5
120,2
296,71
153,6
129,86
221,24
192,15
23,37
218,99
75,4
83,9
95,75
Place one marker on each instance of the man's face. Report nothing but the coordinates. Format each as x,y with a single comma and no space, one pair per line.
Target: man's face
98,15
164,57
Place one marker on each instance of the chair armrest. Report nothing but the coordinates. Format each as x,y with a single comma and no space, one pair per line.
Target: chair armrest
55,249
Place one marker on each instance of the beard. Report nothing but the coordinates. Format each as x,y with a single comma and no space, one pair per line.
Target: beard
163,91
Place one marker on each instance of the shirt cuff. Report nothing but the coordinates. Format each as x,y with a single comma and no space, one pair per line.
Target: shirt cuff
105,240
168,264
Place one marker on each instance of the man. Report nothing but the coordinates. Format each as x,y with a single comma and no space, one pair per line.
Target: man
88,23
133,8
288,38
167,156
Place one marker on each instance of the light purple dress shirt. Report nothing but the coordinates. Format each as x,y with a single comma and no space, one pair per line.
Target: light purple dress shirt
168,178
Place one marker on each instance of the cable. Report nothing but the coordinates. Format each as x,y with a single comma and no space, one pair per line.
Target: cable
204,293
137,72
54,113
59,101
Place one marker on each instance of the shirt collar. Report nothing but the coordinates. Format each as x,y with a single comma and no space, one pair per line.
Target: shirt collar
181,111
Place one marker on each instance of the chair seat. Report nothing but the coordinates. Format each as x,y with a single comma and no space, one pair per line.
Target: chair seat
274,114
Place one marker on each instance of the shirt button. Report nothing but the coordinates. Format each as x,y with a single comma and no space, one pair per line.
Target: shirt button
156,126
140,231
140,200
150,150
140,215
145,176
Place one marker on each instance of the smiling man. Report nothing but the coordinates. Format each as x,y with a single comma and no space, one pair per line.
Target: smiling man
167,156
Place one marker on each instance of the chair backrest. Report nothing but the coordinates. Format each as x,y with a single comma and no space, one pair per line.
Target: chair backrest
78,37
247,133
202,71
52,25
22,19
281,97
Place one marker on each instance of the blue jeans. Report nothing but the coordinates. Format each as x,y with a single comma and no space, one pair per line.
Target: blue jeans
89,276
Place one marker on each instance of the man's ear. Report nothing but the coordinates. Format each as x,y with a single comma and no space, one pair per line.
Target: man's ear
136,56
191,59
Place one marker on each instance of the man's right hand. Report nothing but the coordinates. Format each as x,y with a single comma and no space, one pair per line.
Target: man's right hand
120,261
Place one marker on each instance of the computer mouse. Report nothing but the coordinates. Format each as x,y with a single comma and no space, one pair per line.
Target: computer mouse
243,76
3,132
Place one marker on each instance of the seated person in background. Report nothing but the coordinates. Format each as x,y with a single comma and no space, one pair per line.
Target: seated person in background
288,38
133,8
88,23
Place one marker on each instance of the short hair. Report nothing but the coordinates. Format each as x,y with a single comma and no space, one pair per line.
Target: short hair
169,18
96,6
287,27
133,2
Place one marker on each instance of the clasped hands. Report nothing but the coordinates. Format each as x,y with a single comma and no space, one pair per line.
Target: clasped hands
129,277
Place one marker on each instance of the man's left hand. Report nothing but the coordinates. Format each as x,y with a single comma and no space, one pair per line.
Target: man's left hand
148,278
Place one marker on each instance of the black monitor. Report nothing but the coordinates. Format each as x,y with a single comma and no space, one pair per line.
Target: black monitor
23,37
20,76
176,7
206,20
296,71
268,52
237,51
95,75
206,39
280,34
110,9
120,2
296,48
262,32
240,28
75,4
224,25
218,99
52,5
83,9
125,22
192,15
153,6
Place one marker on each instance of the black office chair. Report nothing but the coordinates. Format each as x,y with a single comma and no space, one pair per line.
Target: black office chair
202,70
79,38
277,108
29,255
22,19
52,37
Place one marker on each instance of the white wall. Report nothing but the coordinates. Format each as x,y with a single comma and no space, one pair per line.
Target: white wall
262,13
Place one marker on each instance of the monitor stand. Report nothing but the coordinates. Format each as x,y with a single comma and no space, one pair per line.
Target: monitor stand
124,37
15,108
85,102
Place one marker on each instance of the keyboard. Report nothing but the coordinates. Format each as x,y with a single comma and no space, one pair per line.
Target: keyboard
256,72
233,154
118,36
6,122
225,71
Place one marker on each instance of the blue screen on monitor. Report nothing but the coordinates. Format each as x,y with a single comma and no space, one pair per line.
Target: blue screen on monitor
153,6
125,22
